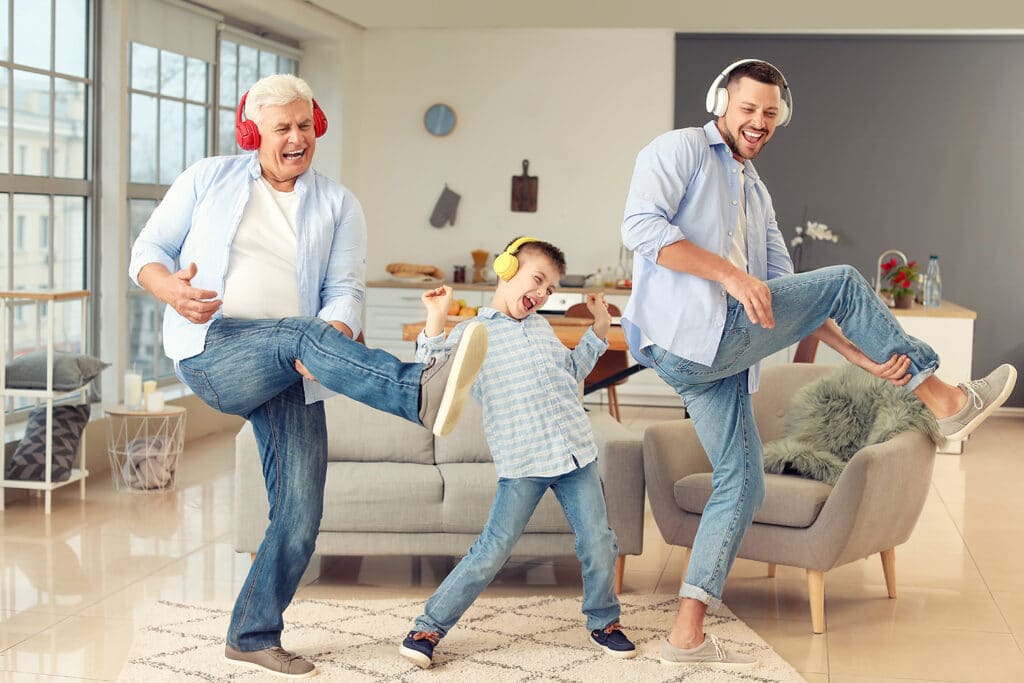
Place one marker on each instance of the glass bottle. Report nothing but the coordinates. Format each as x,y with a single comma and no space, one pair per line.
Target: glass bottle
933,284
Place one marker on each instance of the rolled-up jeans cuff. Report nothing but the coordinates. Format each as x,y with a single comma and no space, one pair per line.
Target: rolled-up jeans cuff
920,377
696,593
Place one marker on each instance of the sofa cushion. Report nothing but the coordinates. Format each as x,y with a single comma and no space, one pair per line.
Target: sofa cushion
370,435
466,443
382,496
469,491
789,500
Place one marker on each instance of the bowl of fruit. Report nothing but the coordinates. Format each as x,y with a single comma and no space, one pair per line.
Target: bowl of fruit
460,310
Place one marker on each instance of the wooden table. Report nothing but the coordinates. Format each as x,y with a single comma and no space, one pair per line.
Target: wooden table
568,330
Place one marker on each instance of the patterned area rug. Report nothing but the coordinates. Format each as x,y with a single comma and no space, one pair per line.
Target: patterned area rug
498,639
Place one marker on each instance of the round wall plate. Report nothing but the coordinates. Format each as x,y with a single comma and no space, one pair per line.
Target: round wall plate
440,119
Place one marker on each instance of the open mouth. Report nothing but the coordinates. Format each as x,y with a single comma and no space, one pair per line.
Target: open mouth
292,156
753,137
529,303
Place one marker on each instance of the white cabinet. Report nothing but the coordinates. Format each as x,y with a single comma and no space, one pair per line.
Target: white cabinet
44,303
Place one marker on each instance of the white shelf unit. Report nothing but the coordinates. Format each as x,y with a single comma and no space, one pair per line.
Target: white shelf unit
8,301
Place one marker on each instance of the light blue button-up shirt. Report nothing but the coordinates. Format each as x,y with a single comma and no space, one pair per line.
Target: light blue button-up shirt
686,186
528,388
196,223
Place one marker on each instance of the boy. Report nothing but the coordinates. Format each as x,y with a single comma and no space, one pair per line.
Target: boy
539,437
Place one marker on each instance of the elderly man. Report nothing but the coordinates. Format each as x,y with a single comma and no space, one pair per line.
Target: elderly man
260,320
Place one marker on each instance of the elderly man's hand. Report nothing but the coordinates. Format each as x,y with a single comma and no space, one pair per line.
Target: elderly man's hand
195,305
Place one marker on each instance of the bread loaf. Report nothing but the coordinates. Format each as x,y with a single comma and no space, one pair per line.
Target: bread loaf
411,270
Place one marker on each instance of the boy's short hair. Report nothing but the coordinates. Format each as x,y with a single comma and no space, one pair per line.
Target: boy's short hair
554,254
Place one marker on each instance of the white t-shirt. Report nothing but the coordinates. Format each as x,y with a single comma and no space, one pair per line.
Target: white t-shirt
261,280
738,250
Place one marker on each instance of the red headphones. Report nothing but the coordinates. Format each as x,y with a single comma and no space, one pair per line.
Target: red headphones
247,133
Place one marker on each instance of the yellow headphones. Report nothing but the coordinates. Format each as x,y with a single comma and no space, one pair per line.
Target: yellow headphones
507,264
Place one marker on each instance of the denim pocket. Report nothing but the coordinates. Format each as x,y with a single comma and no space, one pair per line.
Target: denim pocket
199,383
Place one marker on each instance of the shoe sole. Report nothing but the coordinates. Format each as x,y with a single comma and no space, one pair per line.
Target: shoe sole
468,358
254,665
724,666
966,430
417,658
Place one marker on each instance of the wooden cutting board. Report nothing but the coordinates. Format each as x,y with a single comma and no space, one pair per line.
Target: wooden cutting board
524,190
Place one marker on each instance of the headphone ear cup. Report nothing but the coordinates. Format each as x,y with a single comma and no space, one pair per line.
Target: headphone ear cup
721,102
247,135
506,265
784,113
319,120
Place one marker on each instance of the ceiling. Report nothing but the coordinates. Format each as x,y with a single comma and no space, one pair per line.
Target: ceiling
324,19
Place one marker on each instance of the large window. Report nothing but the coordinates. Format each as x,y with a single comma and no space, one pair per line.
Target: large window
45,153
171,126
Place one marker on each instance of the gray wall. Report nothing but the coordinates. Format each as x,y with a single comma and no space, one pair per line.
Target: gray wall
902,142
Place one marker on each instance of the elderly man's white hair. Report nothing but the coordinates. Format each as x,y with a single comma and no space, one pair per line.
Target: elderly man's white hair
275,91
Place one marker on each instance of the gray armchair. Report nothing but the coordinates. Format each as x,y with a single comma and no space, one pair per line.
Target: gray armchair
803,523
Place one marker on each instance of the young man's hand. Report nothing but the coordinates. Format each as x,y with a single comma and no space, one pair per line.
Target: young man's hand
437,302
598,308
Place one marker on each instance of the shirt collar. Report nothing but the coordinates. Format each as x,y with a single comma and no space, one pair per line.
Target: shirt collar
714,137
488,312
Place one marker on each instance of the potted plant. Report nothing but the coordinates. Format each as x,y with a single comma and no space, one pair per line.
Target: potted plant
900,281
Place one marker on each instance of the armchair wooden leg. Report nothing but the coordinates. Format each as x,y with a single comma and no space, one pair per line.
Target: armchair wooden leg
816,593
771,570
889,569
620,570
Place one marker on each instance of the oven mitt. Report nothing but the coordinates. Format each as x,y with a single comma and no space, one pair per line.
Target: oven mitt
444,210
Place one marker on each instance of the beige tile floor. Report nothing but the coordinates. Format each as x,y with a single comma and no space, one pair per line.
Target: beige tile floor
74,585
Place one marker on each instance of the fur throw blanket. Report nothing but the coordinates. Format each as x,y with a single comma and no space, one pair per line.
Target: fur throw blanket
832,418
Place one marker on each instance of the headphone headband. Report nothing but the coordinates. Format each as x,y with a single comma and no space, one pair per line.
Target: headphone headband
507,264
718,96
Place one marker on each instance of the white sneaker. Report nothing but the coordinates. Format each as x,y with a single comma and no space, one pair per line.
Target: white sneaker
983,396
444,386
709,653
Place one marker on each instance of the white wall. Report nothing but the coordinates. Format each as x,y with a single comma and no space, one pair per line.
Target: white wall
578,103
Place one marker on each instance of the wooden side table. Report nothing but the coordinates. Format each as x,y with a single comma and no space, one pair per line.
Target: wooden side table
144,447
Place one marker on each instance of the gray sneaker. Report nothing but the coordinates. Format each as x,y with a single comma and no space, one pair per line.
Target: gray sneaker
445,385
983,396
709,653
275,660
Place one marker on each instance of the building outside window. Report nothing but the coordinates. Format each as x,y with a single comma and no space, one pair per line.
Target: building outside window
46,90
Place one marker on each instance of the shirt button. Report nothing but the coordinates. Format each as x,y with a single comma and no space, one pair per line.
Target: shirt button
730,233
734,202
734,170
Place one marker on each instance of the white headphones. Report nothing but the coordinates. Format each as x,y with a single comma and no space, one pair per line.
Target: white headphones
718,96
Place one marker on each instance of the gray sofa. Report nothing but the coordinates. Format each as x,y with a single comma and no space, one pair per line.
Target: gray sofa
395,489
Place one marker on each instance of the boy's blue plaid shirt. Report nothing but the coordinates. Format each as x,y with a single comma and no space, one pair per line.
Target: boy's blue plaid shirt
529,389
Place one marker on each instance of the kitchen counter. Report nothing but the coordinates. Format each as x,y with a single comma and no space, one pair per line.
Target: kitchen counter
485,287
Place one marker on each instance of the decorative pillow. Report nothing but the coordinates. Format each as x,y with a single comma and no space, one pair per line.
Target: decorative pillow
29,460
70,370
832,418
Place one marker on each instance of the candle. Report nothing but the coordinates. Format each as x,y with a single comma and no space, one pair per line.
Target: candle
155,401
133,390
148,387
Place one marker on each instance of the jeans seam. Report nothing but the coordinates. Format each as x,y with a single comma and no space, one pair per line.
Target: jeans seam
258,564
319,348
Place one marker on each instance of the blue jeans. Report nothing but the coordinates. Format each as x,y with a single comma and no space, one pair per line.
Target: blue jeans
247,369
582,498
719,404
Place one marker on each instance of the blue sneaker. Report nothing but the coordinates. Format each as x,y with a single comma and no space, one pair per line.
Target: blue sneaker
612,640
418,647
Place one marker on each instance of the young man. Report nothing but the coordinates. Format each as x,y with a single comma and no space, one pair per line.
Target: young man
539,437
713,293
